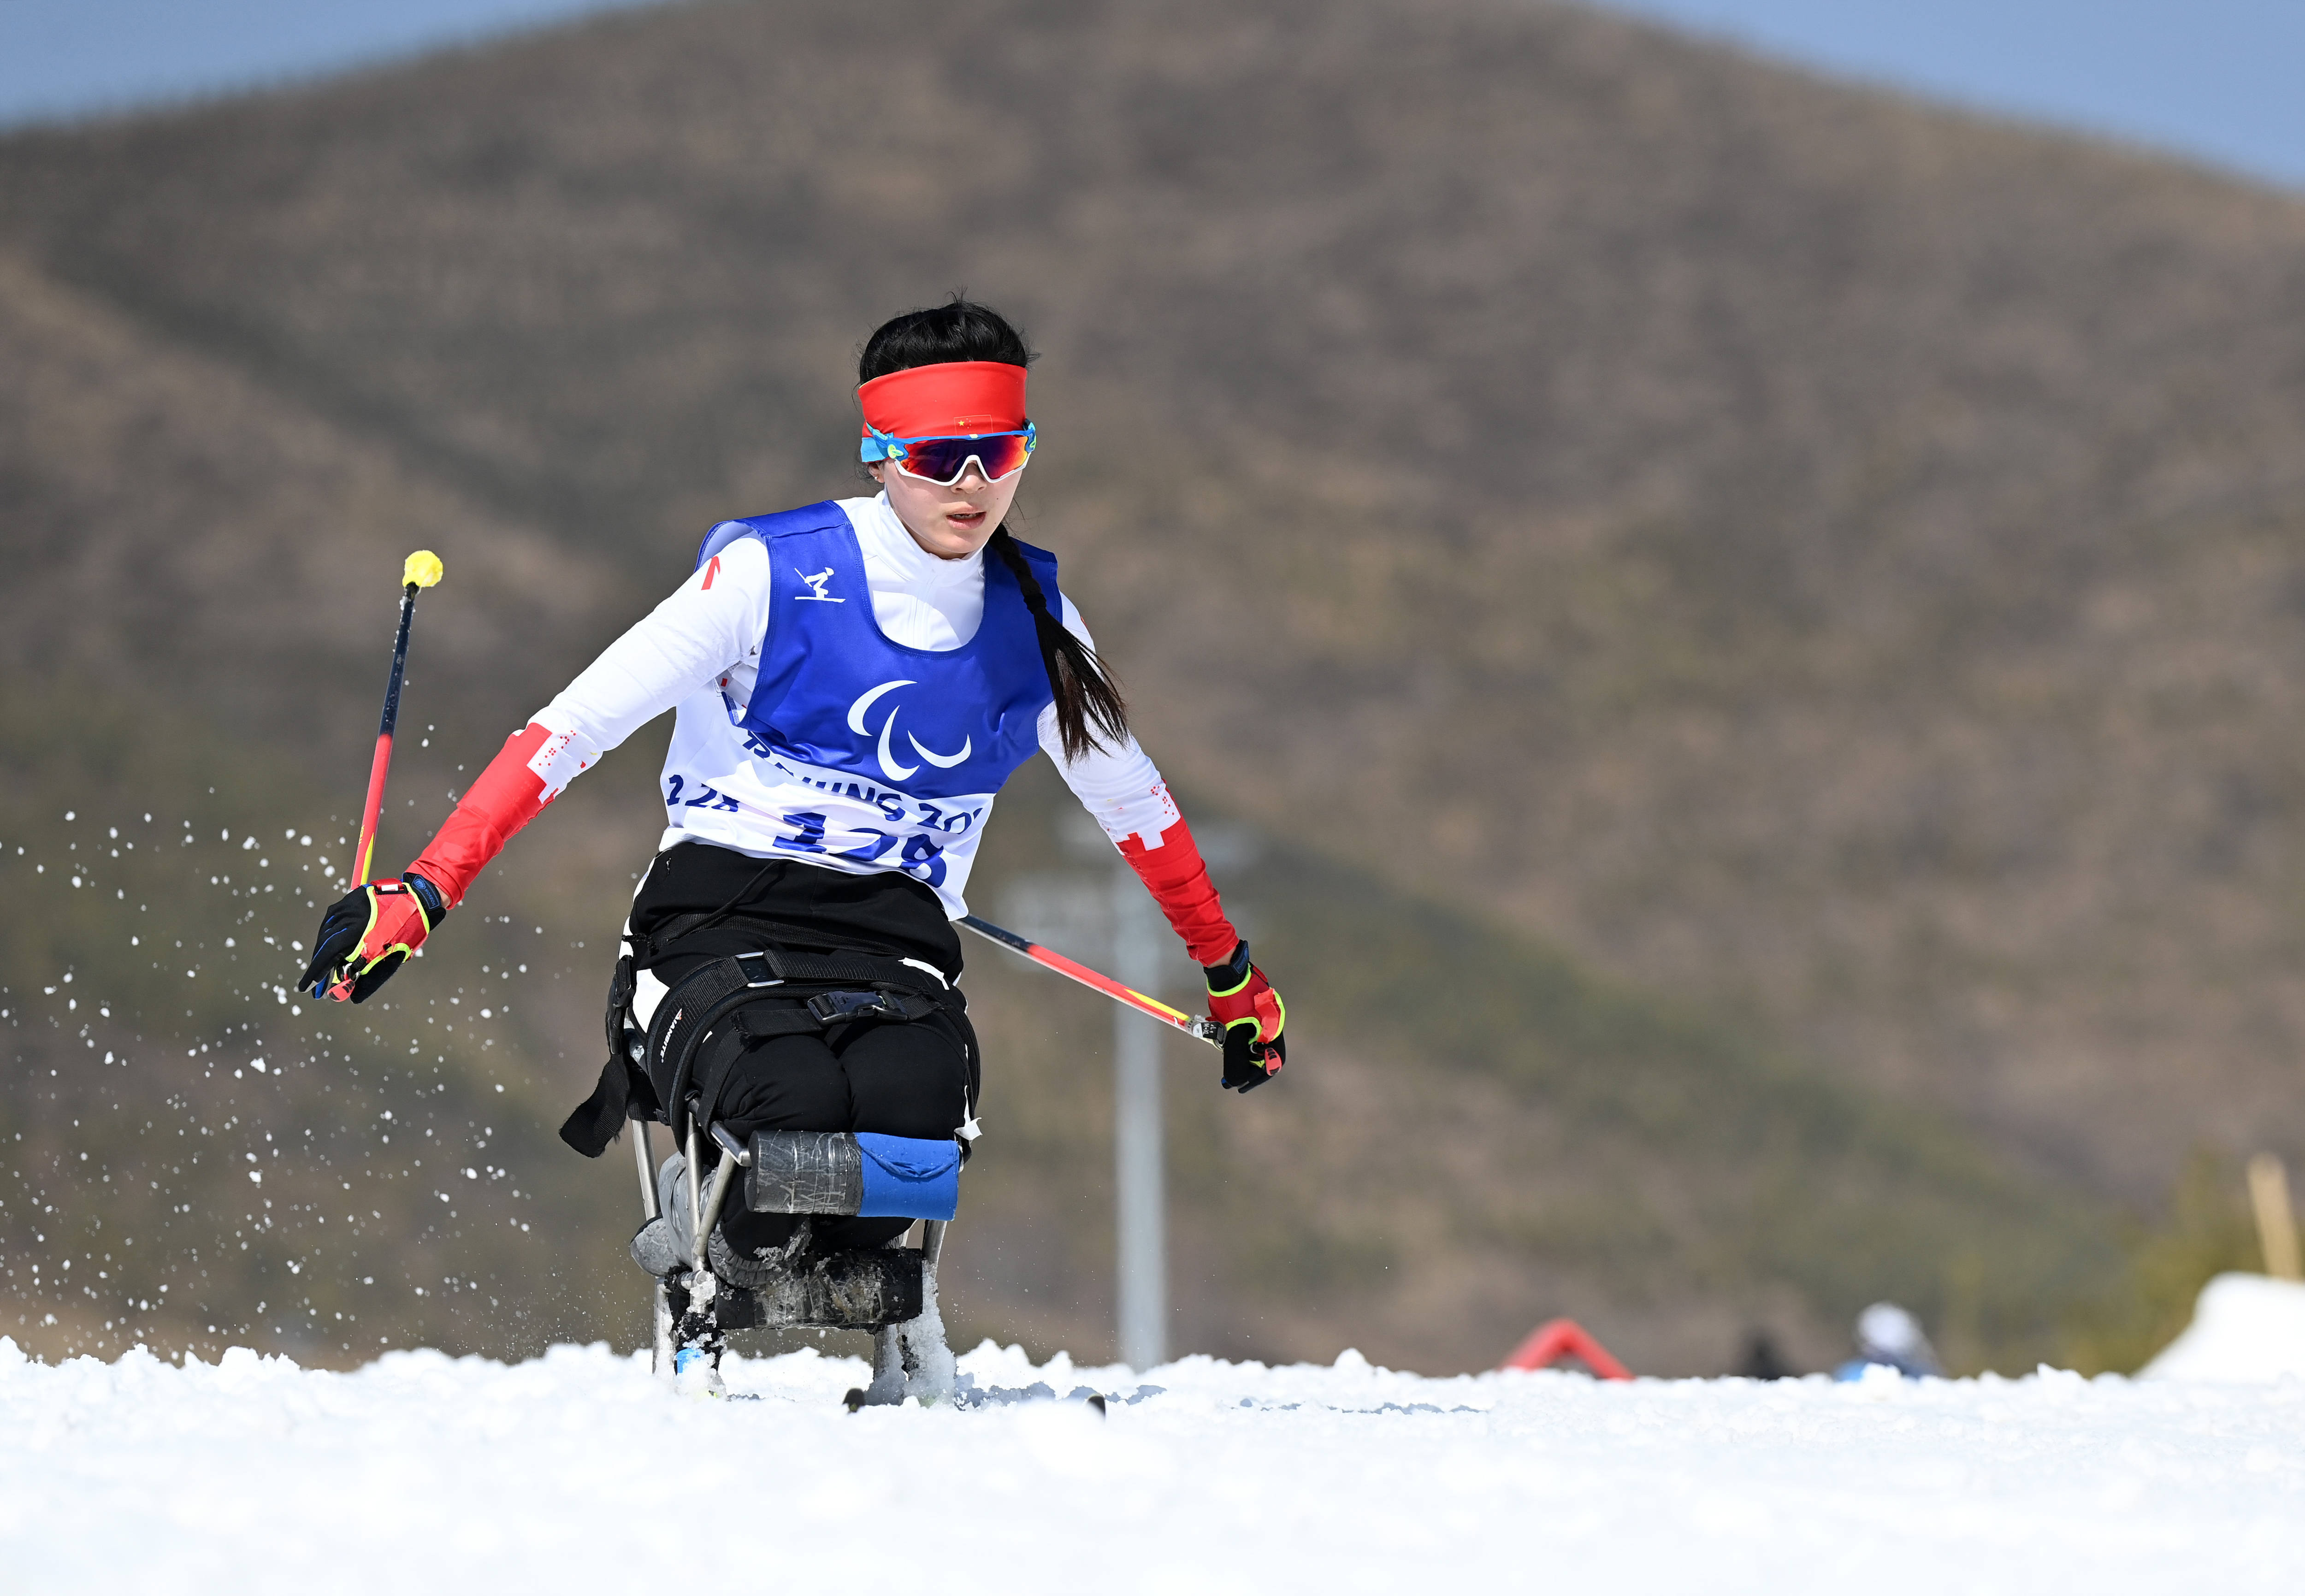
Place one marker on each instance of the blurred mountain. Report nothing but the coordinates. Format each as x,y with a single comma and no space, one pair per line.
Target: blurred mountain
1810,572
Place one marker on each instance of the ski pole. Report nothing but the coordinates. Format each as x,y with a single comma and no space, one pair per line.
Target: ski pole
1195,1025
421,570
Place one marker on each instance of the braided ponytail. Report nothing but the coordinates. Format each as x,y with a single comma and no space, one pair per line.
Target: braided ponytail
1090,710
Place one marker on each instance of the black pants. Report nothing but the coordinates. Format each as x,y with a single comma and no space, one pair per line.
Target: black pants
901,1079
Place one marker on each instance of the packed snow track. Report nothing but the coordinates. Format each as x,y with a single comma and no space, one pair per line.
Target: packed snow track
577,1472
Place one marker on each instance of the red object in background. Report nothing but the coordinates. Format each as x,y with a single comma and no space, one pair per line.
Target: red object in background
1558,1339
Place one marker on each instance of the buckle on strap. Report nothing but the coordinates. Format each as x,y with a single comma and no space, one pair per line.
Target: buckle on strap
757,970
832,1008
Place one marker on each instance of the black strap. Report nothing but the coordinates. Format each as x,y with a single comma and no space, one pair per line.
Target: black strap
775,991
623,1093
622,984
684,1016
830,969
802,992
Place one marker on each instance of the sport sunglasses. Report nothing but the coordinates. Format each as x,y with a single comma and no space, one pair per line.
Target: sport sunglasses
944,461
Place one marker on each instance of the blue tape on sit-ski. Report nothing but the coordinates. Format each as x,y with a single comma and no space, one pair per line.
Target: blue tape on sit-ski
906,1177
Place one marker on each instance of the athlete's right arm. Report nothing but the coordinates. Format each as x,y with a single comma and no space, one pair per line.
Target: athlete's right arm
714,622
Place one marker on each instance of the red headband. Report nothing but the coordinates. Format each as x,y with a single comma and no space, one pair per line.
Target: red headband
951,400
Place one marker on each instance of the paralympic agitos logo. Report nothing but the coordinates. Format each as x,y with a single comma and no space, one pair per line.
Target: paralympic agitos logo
889,765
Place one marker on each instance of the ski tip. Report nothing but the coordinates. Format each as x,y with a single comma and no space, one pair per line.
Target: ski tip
854,1399
1096,1401
422,569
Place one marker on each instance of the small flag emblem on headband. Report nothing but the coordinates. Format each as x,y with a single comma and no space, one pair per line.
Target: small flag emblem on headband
950,400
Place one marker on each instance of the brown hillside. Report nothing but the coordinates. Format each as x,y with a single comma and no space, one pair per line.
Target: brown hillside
236,544
1788,543
1829,559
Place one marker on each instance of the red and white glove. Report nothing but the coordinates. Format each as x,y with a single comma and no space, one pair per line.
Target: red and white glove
369,933
1243,1002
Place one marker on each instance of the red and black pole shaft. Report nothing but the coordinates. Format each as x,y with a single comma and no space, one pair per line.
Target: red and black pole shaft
422,570
1194,1025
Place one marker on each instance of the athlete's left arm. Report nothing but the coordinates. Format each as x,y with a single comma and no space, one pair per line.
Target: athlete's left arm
1123,789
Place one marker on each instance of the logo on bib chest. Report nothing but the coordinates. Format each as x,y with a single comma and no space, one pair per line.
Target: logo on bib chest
889,766
816,593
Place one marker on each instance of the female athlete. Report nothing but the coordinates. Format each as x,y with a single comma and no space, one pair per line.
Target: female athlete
853,682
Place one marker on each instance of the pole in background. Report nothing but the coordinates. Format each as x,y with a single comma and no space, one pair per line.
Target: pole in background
1110,905
2276,1221
1139,1179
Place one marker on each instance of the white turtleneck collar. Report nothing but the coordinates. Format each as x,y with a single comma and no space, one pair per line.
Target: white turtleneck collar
919,601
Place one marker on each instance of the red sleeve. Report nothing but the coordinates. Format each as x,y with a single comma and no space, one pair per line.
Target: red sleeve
506,796
1179,883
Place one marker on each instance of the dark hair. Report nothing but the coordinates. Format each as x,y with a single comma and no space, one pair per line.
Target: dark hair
1090,710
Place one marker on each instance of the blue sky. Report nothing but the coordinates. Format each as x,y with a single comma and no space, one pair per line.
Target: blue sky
2214,78
61,58
2219,79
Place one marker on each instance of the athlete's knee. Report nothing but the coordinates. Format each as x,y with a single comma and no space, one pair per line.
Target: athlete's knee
906,1081
788,1083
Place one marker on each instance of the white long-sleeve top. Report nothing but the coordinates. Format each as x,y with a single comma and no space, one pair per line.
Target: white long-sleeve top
699,651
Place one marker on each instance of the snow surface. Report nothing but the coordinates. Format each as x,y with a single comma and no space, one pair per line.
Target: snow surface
578,1473
2245,1327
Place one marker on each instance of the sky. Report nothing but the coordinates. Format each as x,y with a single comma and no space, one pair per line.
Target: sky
65,58
2216,80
